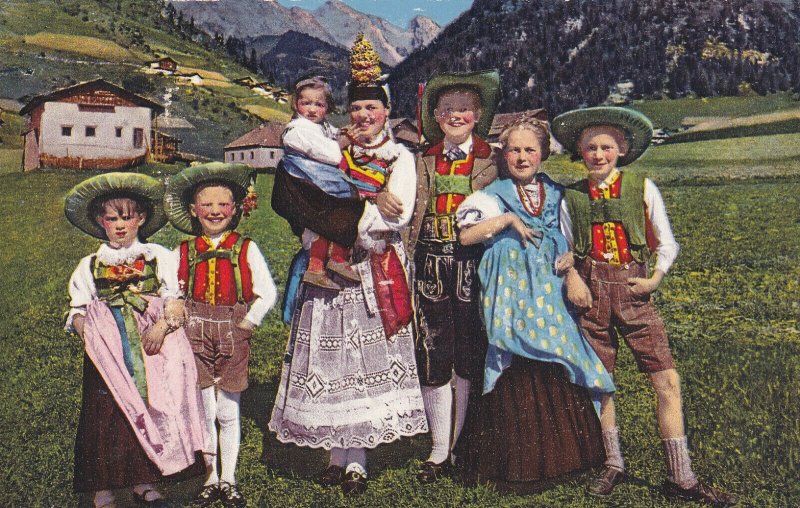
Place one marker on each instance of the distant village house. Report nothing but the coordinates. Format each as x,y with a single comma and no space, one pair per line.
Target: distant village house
193,78
165,65
261,148
91,125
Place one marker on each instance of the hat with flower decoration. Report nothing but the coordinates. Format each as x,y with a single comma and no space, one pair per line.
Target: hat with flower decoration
182,187
365,72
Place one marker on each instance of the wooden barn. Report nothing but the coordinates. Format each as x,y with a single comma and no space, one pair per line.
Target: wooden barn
91,125
165,65
261,148
165,147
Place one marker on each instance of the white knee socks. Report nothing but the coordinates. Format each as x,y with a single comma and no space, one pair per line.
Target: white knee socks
209,396
230,434
438,406
462,398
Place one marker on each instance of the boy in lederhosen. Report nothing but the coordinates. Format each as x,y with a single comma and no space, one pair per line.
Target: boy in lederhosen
229,290
614,220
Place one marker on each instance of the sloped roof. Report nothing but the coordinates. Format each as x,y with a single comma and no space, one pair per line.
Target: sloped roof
268,135
91,85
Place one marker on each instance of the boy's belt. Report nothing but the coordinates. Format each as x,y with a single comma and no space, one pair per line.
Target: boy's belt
440,228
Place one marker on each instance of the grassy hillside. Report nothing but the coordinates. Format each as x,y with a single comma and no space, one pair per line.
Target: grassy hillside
668,113
730,305
49,44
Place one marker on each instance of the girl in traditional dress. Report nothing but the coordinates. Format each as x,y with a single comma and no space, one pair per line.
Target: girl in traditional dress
349,381
141,418
541,377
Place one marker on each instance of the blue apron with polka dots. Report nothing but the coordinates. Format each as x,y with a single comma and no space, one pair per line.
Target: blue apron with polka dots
523,307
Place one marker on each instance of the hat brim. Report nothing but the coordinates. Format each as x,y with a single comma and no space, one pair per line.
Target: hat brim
181,186
638,129
486,83
146,190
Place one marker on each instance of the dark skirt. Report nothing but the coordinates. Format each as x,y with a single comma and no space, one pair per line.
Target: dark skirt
107,453
535,426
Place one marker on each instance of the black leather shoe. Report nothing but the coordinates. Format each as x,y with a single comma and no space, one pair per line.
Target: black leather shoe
700,492
231,496
141,499
332,476
354,484
604,483
207,496
429,471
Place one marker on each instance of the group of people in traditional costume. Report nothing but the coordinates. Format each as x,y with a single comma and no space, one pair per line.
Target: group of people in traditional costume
461,292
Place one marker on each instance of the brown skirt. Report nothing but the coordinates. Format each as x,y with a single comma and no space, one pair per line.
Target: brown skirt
533,427
107,453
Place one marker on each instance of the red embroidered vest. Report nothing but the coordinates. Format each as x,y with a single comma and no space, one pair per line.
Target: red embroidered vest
218,276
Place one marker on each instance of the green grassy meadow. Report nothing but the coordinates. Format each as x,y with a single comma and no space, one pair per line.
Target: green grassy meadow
730,304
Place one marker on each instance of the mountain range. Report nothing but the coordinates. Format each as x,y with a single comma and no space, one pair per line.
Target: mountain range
334,22
560,55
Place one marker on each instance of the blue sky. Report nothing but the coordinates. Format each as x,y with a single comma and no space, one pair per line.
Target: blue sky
398,12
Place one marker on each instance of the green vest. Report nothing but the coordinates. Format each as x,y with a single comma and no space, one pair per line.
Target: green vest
628,210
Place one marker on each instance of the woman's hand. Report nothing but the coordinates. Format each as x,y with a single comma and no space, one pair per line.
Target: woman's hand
389,205
577,291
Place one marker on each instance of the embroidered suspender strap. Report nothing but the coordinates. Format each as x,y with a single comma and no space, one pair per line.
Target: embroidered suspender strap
453,184
192,262
237,271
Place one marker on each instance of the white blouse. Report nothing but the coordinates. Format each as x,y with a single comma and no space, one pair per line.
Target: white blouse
402,183
313,140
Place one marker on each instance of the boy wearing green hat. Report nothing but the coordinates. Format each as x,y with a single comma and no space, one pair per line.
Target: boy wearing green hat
457,111
229,290
614,221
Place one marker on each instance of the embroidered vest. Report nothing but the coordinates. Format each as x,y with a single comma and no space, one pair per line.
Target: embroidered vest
218,276
118,284
627,210
452,183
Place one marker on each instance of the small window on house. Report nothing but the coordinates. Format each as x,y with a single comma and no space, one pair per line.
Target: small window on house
233,156
91,131
66,130
241,156
272,154
252,156
118,132
138,138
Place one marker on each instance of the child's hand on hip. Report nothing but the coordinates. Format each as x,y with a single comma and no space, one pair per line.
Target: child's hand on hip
641,286
246,325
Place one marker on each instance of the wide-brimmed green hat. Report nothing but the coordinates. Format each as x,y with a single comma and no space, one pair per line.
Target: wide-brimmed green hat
485,83
567,128
181,189
80,205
